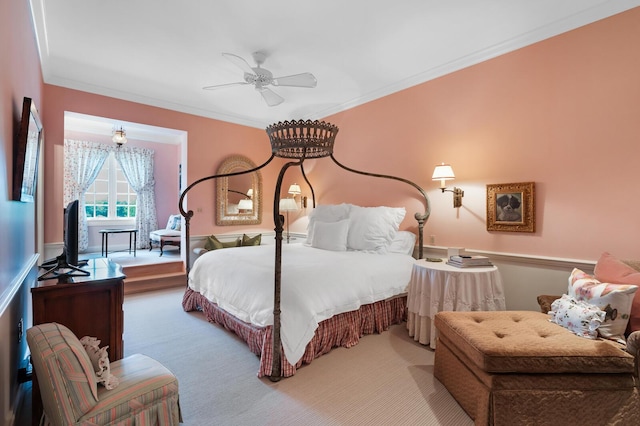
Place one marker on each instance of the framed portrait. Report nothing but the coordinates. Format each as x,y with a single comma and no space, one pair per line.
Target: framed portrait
511,207
26,153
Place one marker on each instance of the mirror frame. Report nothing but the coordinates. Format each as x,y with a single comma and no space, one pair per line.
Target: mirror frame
232,164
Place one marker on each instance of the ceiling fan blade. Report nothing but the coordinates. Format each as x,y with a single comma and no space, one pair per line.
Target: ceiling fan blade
306,79
270,97
222,86
239,62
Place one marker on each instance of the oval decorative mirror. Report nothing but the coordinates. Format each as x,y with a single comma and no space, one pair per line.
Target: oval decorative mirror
238,198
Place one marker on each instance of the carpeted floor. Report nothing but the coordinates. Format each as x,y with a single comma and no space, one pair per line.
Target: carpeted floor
387,379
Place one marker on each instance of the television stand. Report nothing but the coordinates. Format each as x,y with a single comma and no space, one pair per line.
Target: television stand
62,269
50,263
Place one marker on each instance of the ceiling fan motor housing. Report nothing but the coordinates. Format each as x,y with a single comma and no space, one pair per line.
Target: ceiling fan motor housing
261,77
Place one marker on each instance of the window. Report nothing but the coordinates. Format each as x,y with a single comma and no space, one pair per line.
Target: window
110,196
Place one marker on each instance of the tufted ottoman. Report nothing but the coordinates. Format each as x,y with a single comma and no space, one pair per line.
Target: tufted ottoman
516,368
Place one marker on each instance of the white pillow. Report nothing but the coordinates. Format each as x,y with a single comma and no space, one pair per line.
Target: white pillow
326,213
404,242
372,229
330,235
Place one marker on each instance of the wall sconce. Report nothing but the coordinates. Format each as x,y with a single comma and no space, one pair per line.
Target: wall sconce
443,173
295,190
119,136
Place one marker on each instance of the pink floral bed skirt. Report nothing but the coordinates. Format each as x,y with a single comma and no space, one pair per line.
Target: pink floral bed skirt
341,330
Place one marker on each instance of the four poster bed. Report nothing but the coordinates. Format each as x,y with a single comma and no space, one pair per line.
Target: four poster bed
347,280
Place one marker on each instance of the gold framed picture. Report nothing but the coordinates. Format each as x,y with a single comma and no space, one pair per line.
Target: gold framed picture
511,207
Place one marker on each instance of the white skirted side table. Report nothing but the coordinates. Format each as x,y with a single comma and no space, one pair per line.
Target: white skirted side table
436,286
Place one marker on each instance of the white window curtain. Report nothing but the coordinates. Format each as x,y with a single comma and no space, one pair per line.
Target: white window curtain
82,163
137,166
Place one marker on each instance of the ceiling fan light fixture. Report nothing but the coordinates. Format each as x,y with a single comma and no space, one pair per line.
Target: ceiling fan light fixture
261,77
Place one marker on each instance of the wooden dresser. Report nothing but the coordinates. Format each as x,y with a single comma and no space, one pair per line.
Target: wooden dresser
88,305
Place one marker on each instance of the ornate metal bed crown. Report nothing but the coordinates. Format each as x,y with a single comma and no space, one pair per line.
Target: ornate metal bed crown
302,138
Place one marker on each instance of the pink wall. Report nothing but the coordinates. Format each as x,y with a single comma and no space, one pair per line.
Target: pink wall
209,142
563,113
20,76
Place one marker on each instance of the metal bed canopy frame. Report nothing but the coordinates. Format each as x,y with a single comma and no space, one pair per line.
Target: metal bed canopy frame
297,140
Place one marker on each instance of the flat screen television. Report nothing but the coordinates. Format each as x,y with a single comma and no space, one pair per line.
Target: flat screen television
67,264
70,233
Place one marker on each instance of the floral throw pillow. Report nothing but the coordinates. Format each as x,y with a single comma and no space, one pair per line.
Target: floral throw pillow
579,317
614,299
100,360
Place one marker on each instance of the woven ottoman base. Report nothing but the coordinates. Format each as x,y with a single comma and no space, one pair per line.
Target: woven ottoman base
521,397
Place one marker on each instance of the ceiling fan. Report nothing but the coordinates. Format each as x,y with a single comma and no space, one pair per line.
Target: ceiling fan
261,77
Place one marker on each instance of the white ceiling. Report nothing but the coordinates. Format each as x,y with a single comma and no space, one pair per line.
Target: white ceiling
162,52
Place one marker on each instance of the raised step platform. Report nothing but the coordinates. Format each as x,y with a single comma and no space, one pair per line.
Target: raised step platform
147,277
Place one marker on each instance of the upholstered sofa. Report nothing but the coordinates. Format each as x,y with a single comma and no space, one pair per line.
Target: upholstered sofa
136,390
518,367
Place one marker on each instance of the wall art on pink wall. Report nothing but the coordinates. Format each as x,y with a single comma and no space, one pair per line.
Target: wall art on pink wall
511,207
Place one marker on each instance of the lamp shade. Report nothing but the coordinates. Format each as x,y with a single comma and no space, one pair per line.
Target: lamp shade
245,204
250,193
443,172
288,204
295,189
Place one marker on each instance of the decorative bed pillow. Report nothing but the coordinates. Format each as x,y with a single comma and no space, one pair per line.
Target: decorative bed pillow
251,241
213,243
613,270
403,242
326,213
174,222
331,235
579,317
614,299
372,229
100,360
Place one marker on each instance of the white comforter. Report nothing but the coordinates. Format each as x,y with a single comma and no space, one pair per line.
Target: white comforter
316,285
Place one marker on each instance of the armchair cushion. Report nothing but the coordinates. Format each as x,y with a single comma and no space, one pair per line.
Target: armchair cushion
63,368
100,360
164,233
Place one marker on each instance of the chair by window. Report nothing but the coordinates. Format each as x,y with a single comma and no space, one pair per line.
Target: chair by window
169,236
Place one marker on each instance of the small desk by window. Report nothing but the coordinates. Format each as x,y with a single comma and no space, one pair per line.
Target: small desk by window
436,286
133,233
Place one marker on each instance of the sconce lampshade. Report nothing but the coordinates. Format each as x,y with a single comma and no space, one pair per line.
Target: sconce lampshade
288,204
250,193
443,172
245,204
295,189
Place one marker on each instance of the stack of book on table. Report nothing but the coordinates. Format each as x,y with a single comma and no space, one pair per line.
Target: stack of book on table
463,261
